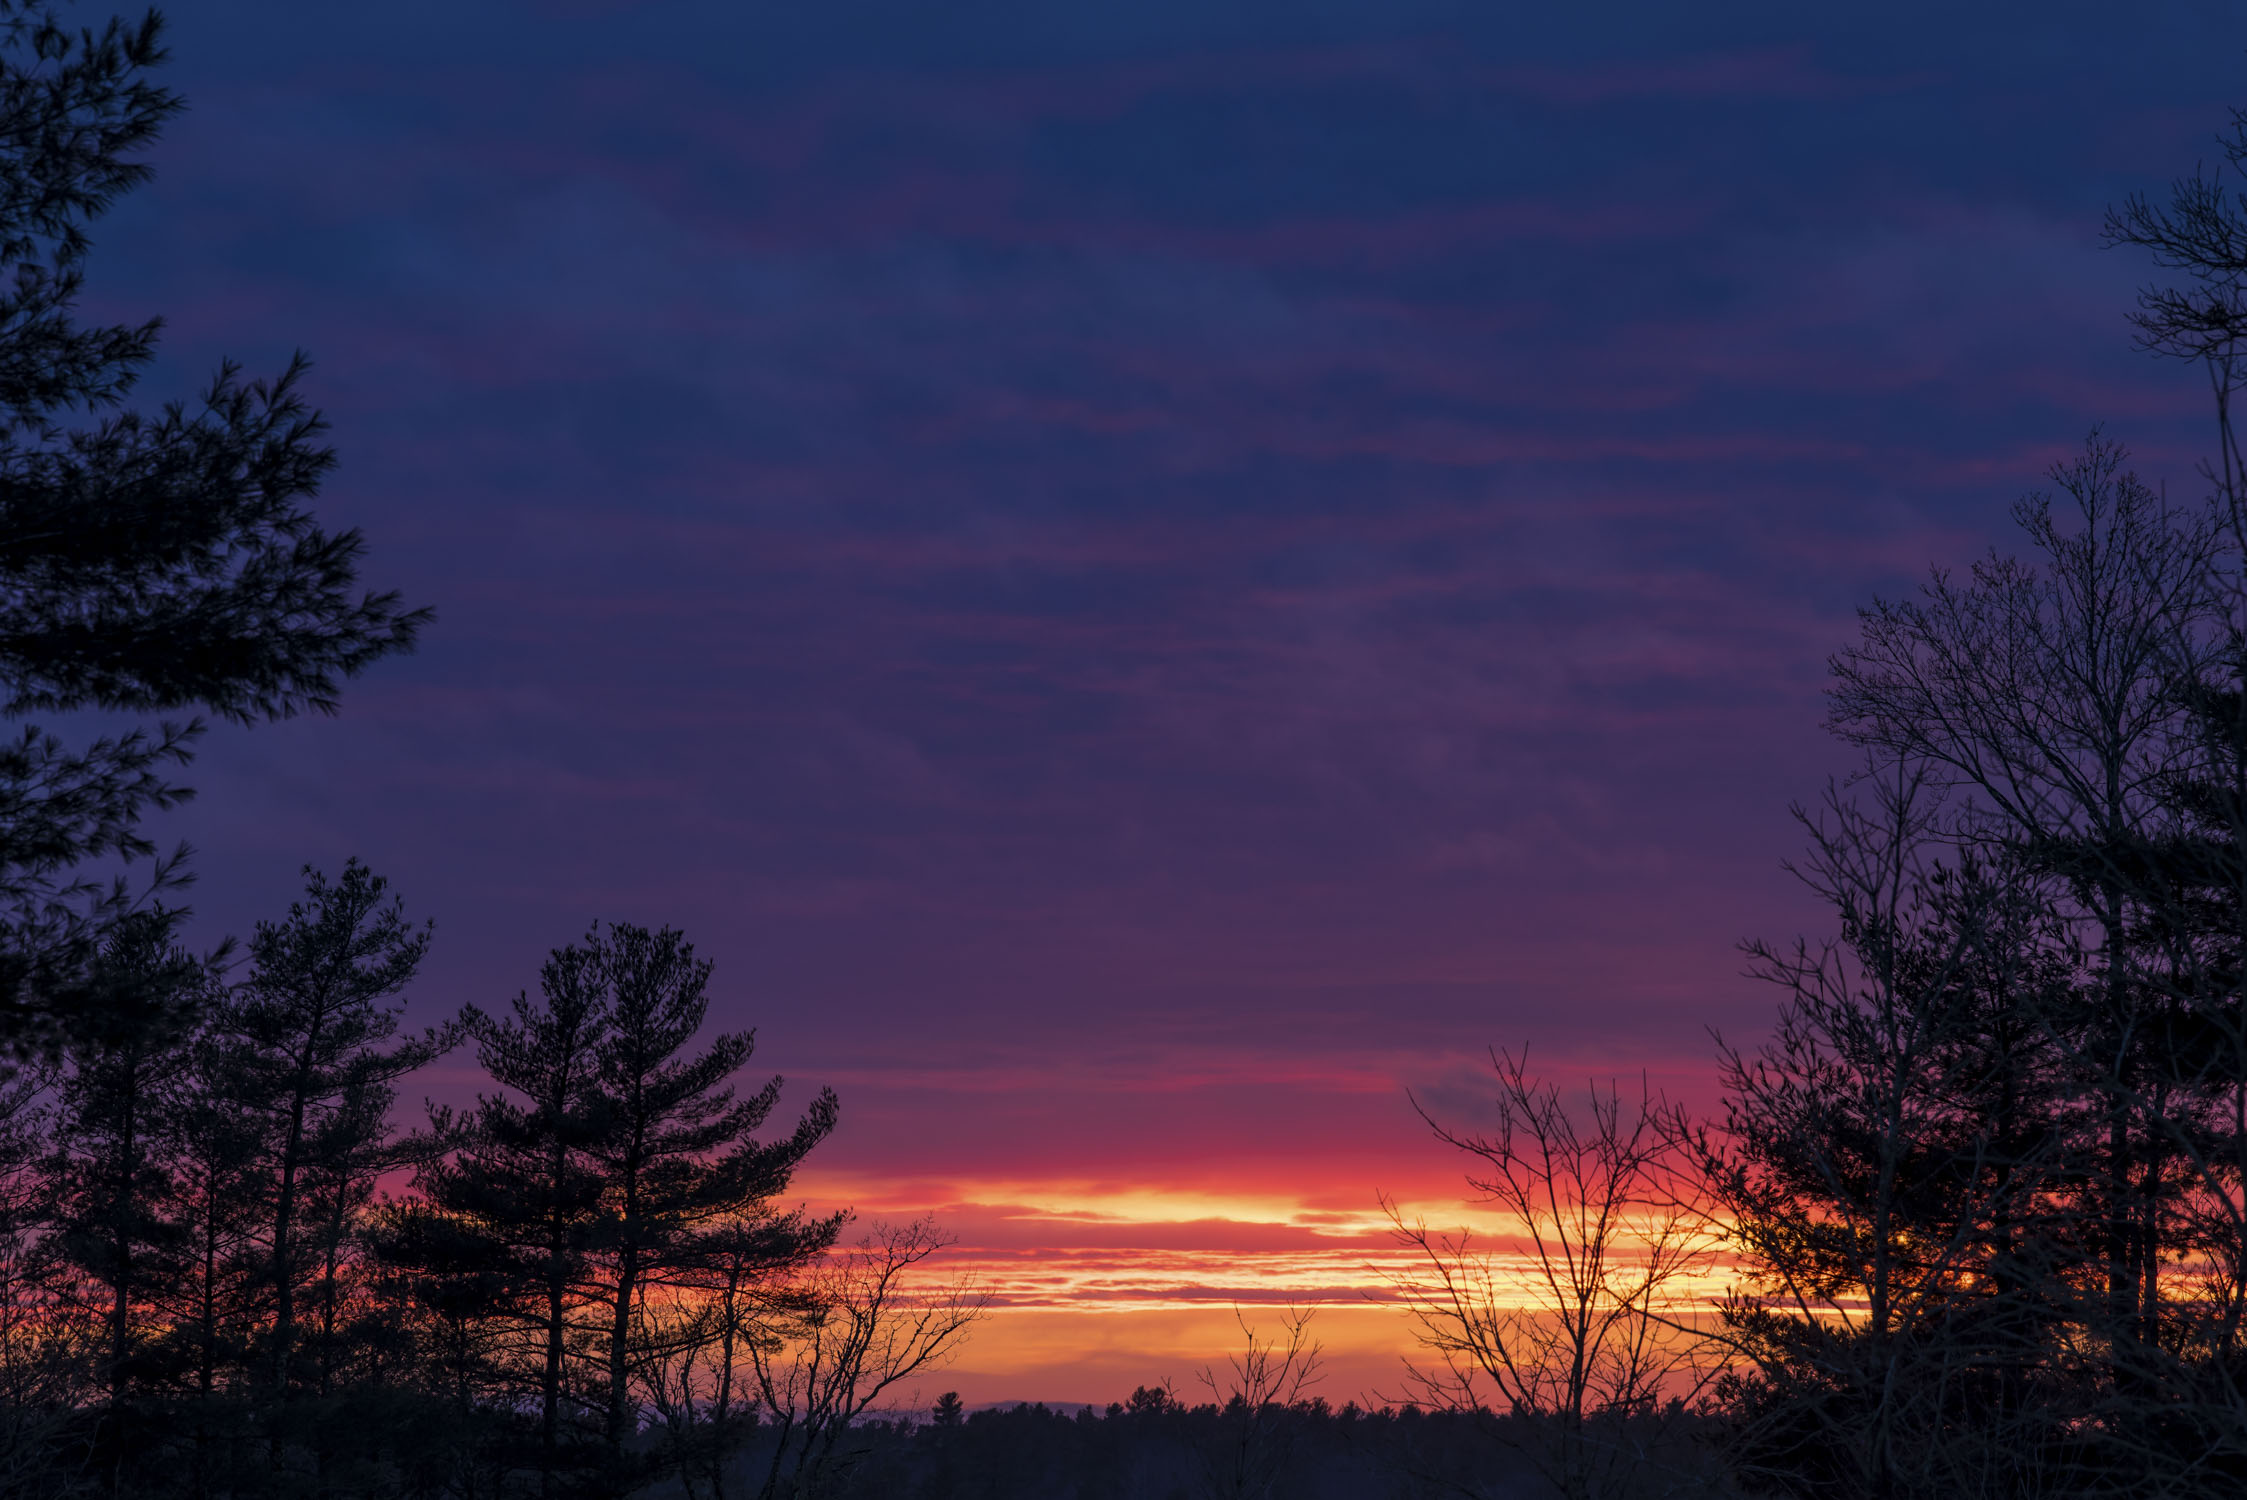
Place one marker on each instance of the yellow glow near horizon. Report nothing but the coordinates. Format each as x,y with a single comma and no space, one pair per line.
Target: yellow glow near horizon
1099,1286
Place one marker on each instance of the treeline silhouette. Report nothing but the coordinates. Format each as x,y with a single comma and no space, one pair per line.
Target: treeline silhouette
1155,1447
205,1289
1972,1222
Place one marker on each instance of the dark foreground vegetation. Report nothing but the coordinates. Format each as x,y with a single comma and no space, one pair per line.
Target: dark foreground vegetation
1154,1448
1972,1223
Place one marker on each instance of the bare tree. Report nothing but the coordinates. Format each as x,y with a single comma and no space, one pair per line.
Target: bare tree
1254,1395
842,1336
694,1329
2200,235
684,1368
2047,689
1587,1334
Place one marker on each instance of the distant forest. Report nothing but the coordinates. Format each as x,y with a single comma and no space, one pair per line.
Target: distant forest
1972,1222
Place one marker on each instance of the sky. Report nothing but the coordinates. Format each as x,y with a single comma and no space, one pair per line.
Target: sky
1147,581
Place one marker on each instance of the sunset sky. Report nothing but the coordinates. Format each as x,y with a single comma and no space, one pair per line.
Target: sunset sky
1144,578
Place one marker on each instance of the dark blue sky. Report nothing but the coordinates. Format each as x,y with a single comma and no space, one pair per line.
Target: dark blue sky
1143,576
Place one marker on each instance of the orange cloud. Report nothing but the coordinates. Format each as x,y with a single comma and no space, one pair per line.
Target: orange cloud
1096,1288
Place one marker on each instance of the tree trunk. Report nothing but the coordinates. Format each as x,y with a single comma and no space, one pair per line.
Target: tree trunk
550,1389
620,1333
120,1317
284,1214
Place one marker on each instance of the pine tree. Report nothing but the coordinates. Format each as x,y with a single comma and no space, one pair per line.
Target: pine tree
316,1055
222,1198
610,1166
112,1182
1900,1162
455,1293
2201,889
677,1148
149,563
516,1202
42,1330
